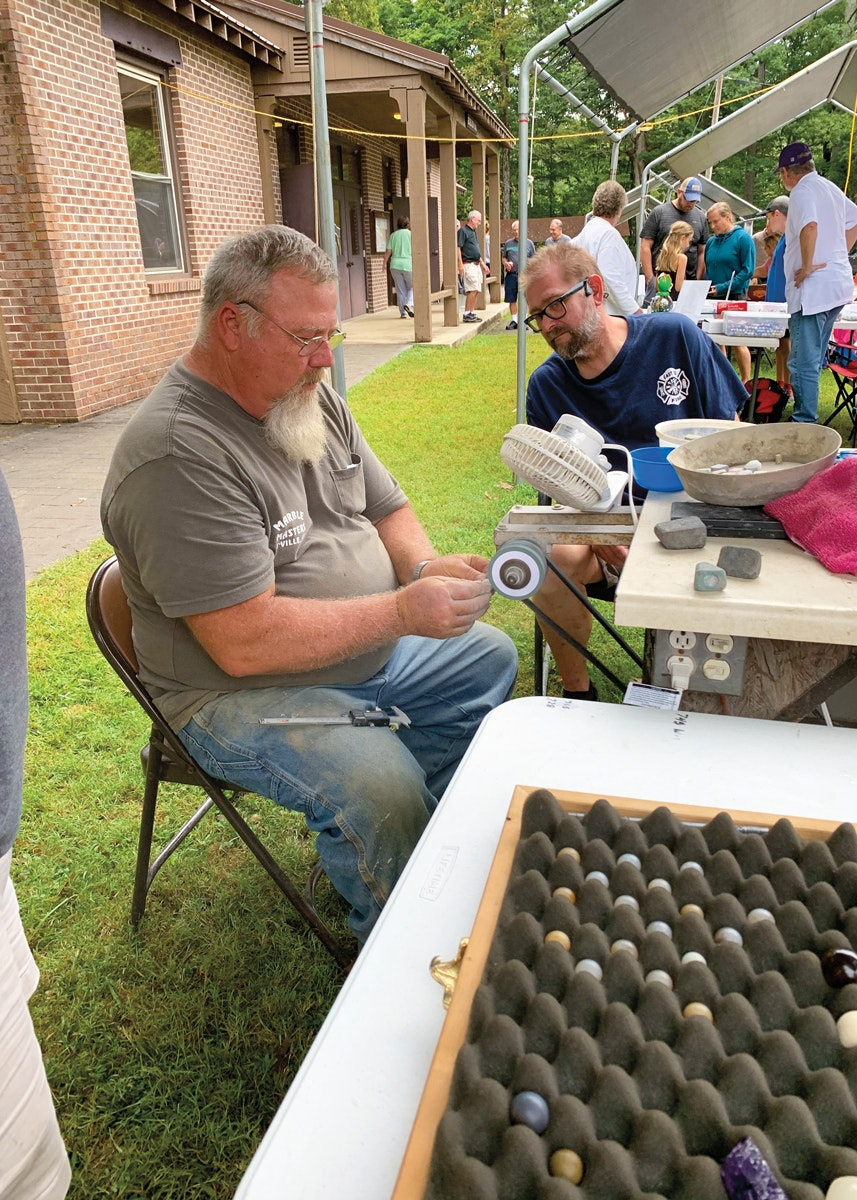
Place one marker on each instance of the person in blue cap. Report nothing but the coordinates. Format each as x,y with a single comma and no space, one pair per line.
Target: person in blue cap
685,207
821,228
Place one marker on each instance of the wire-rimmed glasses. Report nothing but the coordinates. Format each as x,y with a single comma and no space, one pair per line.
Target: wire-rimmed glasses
308,345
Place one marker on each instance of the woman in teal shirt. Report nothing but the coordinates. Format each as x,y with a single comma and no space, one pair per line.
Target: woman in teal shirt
398,258
730,260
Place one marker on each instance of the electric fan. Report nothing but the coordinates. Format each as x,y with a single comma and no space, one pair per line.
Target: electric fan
566,464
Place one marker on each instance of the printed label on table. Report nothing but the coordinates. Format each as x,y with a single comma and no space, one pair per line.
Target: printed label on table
646,695
439,873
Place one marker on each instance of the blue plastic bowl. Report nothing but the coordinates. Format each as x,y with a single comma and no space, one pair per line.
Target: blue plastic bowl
652,471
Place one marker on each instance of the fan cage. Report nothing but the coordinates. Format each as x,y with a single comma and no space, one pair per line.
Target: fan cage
552,465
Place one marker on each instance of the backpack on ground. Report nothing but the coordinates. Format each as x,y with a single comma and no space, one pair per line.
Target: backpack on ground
771,400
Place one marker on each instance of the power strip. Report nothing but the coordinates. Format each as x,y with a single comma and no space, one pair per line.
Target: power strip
699,662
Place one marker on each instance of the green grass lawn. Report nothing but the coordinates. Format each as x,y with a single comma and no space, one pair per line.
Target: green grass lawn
169,1050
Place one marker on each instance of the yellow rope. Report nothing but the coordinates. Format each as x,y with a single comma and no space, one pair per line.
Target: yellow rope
552,137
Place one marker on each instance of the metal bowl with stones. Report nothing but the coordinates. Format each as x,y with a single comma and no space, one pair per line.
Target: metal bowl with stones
790,454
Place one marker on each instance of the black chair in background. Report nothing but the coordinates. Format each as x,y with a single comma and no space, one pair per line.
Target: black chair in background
165,760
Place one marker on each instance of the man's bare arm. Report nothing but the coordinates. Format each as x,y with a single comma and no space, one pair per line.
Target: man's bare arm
646,258
271,634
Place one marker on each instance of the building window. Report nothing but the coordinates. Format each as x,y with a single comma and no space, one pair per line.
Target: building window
147,134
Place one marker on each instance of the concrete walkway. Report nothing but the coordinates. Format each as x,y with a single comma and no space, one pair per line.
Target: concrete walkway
55,472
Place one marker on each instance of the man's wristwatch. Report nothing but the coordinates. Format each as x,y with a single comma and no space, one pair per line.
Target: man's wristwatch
418,569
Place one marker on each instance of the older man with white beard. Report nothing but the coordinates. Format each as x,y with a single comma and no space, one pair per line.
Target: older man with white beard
275,568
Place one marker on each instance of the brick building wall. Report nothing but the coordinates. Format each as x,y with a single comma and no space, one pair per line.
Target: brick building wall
87,328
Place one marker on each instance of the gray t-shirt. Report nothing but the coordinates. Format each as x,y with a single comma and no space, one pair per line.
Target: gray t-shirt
662,218
13,671
203,513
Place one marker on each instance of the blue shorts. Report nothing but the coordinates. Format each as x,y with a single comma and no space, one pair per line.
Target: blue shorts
510,287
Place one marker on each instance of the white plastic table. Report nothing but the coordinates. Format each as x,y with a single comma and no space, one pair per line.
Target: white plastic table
343,1126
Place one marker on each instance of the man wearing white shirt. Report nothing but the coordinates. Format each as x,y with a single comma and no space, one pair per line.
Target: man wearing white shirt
600,238
821,228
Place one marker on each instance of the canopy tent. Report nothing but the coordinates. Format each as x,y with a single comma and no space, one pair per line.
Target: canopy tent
833,78
649,61
648,65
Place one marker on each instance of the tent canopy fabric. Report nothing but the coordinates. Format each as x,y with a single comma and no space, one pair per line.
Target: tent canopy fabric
649,56
833,77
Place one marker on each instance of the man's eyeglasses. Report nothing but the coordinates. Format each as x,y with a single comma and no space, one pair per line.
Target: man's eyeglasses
556,310
308,345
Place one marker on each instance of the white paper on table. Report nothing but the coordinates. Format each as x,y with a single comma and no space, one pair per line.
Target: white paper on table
691,298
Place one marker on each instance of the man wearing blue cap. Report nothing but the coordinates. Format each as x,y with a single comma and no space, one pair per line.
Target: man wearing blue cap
821,228
660,221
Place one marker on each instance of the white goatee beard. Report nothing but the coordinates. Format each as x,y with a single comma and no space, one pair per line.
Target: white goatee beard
295,426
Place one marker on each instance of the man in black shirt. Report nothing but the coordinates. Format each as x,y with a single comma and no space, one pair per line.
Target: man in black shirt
470,264
660,220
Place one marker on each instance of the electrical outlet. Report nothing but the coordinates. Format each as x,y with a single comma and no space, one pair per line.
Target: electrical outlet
682,640
716,660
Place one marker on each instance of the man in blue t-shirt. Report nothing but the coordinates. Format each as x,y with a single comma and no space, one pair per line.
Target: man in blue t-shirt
622,375
511,257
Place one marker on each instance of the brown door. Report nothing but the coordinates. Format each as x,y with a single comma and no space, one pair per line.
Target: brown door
350,262
434,242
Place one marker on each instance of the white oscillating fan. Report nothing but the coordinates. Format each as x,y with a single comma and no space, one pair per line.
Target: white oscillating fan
566,464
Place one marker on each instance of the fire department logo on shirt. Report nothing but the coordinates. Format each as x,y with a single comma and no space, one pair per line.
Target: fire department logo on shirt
673,386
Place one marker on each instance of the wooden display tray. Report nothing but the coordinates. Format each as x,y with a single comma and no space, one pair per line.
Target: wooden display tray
414,1172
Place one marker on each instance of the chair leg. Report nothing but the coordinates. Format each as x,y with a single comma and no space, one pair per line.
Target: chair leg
146,870
147,825
846,395
538,660
301,902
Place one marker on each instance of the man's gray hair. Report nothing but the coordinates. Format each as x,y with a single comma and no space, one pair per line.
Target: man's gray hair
243,266
609,199
574,264
474,212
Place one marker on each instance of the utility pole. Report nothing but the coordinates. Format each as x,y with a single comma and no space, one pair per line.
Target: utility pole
321,157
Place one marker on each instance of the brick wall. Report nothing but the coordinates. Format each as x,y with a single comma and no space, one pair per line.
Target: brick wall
87,328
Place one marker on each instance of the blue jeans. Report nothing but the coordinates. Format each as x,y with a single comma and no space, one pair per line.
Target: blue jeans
810,336
367,793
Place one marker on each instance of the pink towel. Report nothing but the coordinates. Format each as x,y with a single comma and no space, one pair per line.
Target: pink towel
821,517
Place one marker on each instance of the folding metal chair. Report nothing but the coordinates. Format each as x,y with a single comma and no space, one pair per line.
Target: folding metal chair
842,361
165,759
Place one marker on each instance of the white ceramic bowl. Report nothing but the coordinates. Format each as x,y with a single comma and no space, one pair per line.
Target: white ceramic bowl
688,429
804,449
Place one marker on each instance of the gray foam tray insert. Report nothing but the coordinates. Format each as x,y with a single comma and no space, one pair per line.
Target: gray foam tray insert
651,1100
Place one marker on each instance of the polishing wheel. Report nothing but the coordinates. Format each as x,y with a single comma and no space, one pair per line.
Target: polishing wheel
518,569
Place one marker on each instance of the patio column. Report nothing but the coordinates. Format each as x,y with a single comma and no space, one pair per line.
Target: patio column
412,106
448,214
271,198
493,216
477,157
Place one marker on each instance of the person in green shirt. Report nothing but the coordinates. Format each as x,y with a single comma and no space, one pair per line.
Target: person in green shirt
398,258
